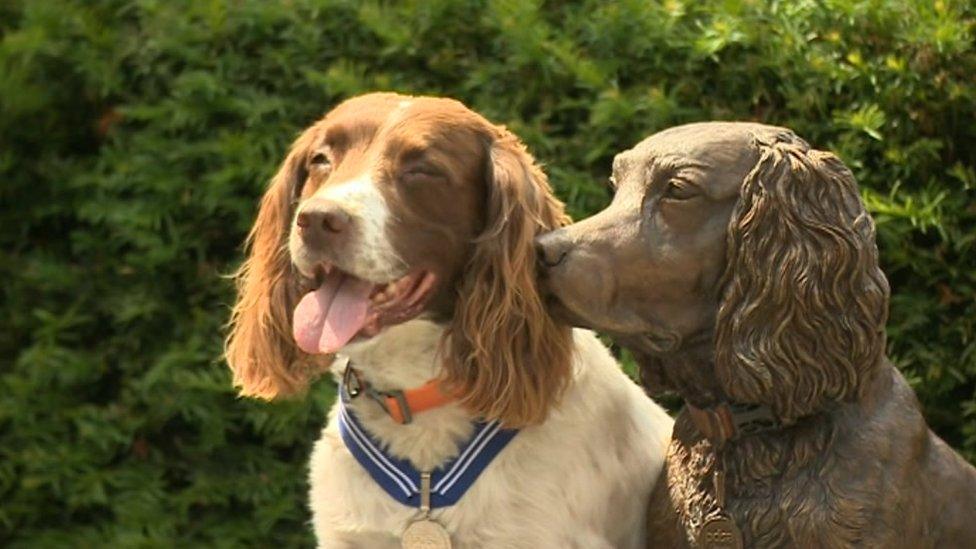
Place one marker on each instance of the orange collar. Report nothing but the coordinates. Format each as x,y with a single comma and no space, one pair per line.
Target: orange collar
399,405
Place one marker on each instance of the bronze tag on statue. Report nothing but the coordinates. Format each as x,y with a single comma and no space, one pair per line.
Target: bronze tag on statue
720,532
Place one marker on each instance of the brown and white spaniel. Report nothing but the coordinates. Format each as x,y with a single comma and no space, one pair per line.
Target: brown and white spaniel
399,234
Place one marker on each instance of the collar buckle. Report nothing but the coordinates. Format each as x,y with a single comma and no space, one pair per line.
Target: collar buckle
402,414
352,384
394,403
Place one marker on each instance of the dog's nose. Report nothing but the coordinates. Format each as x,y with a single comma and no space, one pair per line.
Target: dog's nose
320,220
552,249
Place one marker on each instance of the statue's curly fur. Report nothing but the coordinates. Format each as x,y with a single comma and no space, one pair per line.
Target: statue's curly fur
757,281
801,259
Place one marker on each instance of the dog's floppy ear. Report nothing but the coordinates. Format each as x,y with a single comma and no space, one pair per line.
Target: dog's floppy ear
505,355
801,322
259,348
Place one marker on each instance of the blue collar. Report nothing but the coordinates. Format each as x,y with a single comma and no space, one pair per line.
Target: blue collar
398,477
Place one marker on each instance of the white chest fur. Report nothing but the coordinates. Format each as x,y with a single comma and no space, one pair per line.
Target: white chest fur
580,479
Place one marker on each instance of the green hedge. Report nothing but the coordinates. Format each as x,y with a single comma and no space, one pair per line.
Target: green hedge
135,137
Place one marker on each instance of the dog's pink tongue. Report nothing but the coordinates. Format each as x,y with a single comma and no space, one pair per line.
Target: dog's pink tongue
327,318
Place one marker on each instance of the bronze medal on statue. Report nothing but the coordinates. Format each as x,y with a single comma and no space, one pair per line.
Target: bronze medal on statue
720,532
425,533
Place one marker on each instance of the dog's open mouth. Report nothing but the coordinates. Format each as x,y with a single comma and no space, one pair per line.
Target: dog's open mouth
344,306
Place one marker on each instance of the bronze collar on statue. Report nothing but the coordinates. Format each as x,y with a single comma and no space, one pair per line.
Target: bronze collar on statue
725,422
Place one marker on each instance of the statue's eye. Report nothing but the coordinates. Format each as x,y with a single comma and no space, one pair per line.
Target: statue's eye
680,190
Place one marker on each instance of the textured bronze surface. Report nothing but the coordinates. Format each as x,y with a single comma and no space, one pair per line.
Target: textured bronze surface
715,423
724,422
720,532
739,266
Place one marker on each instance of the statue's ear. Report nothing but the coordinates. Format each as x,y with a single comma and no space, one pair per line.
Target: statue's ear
801,322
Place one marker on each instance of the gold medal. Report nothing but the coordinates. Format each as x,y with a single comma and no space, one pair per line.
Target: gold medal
425,533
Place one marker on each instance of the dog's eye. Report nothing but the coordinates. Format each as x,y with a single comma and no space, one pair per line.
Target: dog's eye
420,172
320,162
680,190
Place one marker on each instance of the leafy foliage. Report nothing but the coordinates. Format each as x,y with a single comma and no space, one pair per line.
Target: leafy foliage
136,135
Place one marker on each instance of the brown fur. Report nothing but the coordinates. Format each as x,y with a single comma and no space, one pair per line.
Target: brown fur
507,356
504,356
259,347
761,285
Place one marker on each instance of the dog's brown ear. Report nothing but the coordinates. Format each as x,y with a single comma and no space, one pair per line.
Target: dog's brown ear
259,348
801,322
506,355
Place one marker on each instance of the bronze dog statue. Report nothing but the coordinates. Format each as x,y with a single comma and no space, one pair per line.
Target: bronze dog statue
740,267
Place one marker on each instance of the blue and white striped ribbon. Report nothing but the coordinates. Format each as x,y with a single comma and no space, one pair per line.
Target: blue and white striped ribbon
401,480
